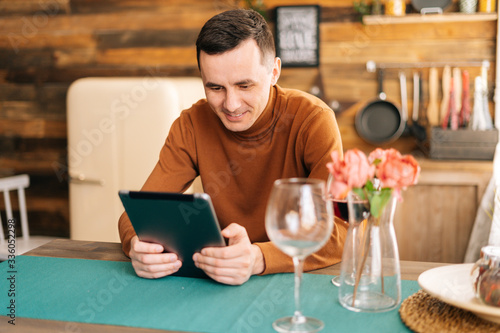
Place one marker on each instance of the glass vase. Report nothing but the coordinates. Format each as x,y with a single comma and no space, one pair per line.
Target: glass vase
370,276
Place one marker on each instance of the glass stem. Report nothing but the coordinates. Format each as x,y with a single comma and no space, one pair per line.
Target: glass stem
298,264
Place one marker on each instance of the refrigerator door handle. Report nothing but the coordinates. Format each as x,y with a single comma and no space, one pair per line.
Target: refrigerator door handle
81,179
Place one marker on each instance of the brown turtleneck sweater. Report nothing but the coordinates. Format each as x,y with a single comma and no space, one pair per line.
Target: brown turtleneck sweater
293,137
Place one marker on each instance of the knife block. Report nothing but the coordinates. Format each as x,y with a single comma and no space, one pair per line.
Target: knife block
463,144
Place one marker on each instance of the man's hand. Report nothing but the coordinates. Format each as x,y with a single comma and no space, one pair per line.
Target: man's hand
149,261
235,263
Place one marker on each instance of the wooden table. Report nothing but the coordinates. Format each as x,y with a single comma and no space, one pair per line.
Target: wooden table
64,248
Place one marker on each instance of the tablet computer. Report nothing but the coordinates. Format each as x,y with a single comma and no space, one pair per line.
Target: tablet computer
182,223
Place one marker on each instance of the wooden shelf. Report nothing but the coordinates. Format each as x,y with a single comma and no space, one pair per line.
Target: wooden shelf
428,18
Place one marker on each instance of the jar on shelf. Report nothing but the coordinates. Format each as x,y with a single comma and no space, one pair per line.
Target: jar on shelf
487,6
395,7
467,6
486,276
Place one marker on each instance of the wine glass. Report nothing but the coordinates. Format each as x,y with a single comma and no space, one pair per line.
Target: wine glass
299,222
341,210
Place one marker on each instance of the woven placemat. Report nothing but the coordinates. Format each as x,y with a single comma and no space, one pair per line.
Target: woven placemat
422,312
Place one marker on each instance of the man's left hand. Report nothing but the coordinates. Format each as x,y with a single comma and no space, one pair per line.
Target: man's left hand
232,264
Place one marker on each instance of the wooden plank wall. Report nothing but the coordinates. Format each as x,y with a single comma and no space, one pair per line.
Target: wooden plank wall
47,44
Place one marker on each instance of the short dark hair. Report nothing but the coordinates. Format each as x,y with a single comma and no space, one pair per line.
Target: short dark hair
227,30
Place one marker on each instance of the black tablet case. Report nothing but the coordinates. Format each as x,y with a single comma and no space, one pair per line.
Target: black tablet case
182,223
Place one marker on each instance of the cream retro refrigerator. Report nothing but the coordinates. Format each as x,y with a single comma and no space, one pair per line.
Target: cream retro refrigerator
116,127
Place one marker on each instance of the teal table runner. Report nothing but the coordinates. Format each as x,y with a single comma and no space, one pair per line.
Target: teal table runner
109,292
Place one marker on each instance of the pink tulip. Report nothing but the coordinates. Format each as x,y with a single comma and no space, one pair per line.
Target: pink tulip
391,169
349,173
377,154
396,171
385,168
338,188
358,170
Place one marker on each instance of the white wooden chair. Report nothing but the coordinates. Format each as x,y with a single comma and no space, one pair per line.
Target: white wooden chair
26,242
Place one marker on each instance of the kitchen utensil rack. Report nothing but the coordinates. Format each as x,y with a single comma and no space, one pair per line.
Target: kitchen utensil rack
371,66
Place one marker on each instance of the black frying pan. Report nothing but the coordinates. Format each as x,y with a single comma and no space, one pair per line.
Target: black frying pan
379,121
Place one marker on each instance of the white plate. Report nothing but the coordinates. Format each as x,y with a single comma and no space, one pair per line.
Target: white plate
452,284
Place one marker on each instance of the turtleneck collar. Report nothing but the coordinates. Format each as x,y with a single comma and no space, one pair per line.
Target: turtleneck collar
264,125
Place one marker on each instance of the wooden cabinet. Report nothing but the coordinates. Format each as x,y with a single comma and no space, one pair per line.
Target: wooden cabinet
435,219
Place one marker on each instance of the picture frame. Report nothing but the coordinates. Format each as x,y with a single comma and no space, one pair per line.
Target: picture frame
297,35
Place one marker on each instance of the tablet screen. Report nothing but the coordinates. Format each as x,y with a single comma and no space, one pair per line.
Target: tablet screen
182,223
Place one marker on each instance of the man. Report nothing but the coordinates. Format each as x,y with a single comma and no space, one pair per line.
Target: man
245,135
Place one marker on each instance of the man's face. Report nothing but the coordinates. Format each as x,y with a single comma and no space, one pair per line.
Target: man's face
237,84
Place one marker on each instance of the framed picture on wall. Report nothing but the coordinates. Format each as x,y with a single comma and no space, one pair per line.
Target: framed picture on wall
297,35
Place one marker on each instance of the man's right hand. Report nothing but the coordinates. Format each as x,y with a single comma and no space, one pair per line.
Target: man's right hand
150,262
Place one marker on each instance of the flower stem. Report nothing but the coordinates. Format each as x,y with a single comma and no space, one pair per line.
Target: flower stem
366,249
381,255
